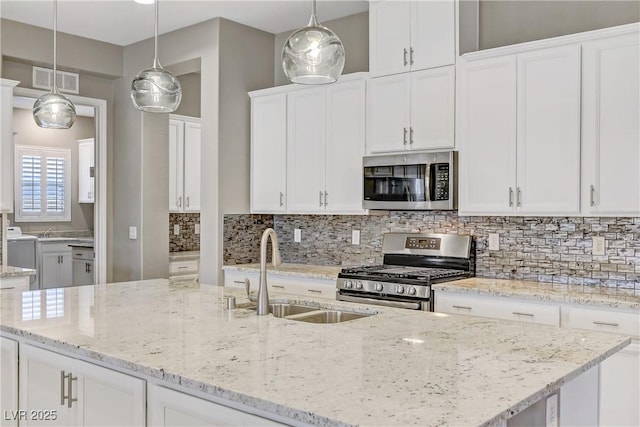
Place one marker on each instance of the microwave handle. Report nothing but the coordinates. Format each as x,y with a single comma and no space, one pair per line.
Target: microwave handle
432,181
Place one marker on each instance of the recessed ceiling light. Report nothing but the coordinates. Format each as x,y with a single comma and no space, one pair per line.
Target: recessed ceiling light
144,1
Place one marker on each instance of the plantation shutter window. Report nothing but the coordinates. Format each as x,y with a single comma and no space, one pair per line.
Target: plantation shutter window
42,184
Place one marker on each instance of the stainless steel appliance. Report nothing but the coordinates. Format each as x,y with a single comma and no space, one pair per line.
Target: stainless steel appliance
413,181
21,252
412,263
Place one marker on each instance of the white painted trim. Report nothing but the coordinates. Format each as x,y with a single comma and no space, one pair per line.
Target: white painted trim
553,42
100,206
292,87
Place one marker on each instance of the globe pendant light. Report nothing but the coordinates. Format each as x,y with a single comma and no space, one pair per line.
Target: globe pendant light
156,90
53,110
313,54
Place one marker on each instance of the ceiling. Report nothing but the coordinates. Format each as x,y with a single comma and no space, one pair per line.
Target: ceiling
123,22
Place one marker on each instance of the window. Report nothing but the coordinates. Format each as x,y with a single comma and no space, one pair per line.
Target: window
42,184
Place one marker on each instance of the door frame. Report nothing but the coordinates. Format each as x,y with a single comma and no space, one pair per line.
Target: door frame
100,204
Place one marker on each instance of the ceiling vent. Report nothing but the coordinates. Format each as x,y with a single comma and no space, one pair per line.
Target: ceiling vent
67,82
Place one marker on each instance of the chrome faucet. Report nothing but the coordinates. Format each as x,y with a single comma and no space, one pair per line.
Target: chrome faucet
263,294
46,233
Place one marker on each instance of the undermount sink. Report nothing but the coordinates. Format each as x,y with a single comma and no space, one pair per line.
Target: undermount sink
304,313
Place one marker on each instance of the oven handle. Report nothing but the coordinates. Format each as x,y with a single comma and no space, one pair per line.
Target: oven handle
384,303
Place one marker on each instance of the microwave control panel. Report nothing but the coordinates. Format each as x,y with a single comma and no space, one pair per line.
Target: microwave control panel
441,181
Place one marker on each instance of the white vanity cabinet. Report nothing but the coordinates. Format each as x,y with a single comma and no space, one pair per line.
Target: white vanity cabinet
170,408
410,35
522,112
86,168
184,163
283,284
9,383
79,393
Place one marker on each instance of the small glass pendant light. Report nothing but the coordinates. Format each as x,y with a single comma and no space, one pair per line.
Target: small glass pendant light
53,110
313,54
156,90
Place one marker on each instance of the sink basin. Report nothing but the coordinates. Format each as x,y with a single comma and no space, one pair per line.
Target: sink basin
283,310
328,316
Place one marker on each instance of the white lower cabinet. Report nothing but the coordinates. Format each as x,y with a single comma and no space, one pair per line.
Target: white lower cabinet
56,269
170,408
9,383
279,284
59,390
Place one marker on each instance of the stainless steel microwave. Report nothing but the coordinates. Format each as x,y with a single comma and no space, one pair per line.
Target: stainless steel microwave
412,181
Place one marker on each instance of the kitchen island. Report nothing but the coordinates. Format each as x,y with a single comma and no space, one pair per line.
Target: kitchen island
395,367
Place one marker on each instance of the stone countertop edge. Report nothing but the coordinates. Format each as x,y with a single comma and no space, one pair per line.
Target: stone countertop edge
8,271
546,292
327,272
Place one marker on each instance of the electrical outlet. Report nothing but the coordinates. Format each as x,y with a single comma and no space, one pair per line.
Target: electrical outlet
598,245
494,242
355,237
176,229
197,228
133,233
297,235
552,411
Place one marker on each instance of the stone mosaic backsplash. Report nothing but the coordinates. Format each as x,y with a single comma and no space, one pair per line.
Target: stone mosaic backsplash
187,240
242,234
545,249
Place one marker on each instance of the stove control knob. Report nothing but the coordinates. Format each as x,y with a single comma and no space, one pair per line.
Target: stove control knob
411,290
400,289
379,287
359,285
347,284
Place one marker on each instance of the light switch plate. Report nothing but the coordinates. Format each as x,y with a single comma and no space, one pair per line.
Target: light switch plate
355,237
176,229
297,235
197,228
133,233
494,242
598,245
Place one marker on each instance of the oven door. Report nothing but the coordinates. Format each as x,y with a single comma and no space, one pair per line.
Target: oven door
386,301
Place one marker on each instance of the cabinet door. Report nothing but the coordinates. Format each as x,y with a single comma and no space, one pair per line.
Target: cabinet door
549,131
389,37
306,117
65,274
611,126
176,162
6,144
9,384
432,109
43,387
108,398
50,270
388,114
620,388
345,146
169,408
192,160
86,163
82,272
268,153
432,34
487,136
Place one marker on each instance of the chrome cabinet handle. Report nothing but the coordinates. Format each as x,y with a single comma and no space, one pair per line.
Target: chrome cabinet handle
187,201
517,313
596,322
519,197
315,291
277,286
510,196
325,198
239,281
463,307
405,57
411,135
404,137
321,199
70,398
281,199
62,396
410,56
180,201
592,191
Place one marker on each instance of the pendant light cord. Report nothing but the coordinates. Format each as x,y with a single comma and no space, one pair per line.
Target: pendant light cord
313,22
55,44
156,63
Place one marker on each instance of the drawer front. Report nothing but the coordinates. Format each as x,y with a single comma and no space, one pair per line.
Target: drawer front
83,254
235,279
620,322
497,308
303,286
183,267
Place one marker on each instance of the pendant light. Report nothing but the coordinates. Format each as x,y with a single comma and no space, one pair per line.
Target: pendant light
156,90
313,54
53,110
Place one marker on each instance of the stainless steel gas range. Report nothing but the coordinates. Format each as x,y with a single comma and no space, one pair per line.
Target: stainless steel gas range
412,263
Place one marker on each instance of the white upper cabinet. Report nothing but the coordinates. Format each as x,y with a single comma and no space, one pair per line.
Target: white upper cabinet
184,164
610,126
268,153
410,35
86,168
389,114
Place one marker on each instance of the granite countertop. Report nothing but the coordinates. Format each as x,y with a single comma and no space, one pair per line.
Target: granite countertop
8,271
561,293
329,272
184,255
397,367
